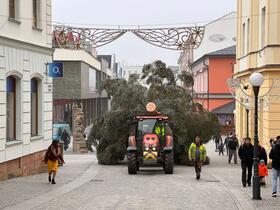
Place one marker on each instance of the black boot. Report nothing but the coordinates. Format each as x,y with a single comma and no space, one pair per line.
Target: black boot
50,179
53,182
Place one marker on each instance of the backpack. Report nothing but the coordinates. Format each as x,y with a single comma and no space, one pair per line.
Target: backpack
232,144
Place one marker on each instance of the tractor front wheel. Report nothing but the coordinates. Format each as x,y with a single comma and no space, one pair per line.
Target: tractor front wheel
168,163
132,163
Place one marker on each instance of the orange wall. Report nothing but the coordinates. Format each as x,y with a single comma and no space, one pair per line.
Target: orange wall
220,70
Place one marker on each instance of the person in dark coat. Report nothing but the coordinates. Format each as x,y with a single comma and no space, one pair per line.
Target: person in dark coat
221,148
65,138
226,142
246,154
233,145
217,139
262,154
275,156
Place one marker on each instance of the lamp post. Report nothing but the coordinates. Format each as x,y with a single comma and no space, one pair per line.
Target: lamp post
247,107
256,80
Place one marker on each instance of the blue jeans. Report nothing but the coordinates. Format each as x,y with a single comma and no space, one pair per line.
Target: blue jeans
275,176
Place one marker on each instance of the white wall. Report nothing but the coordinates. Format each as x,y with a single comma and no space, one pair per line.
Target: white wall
76,55
218,35
25,50
22,29
27,63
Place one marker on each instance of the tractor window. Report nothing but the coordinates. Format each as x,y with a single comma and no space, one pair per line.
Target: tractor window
146,126
159,129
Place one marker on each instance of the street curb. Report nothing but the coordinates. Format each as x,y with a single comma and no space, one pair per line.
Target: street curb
241,199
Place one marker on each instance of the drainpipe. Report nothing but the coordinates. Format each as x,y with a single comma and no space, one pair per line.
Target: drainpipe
207,69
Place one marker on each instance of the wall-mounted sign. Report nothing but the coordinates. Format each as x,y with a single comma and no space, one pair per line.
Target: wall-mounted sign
55,69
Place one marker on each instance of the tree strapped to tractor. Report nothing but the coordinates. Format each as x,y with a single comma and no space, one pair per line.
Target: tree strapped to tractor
150,141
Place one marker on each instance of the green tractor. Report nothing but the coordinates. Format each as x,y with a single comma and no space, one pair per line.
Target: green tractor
150,142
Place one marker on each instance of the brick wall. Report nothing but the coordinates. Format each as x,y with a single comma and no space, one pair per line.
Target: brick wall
24,166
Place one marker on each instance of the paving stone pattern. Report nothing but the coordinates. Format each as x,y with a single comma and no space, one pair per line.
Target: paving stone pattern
83,184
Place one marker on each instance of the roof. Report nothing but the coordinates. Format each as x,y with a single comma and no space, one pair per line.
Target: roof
108,58
223,17
226,52
225,109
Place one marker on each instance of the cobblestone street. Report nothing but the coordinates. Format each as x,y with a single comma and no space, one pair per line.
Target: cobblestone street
83,184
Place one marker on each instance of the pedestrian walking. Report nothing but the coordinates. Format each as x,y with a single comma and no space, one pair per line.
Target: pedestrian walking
263,172
226,142
197,153
233,146
246,154
217,139
66,139
274,155
221,148
52,156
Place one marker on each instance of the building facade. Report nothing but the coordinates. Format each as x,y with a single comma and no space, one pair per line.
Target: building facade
218,34
258,50
82,76
210,74
25,88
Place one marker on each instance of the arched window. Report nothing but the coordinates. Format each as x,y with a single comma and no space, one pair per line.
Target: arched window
11,108
34,107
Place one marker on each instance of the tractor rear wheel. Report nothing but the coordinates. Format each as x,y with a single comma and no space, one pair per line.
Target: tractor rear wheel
168,163
132,163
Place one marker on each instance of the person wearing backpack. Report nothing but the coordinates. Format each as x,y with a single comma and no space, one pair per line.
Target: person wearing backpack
233,146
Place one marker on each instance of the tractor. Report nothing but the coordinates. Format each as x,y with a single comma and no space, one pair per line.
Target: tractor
150,142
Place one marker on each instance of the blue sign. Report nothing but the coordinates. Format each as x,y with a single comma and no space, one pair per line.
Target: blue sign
55,69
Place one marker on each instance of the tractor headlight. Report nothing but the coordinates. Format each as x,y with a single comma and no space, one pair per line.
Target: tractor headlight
154,149
147,149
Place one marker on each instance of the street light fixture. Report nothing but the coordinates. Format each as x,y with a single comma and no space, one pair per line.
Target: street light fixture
247,107
256,80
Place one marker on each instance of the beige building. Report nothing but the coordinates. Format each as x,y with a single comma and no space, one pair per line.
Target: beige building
25,90
258,50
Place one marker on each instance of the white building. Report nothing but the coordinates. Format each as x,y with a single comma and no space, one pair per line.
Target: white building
25,90
219,34
129,70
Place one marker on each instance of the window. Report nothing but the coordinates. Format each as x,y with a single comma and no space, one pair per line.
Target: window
243,39
263,27
11,109
36,13
248,36
14,9
34,107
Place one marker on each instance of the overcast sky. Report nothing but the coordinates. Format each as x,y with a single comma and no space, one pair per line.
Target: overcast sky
129,49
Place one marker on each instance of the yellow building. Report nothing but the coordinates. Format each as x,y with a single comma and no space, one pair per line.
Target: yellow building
258,50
